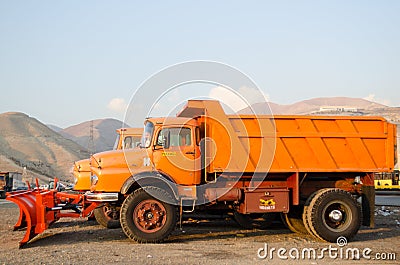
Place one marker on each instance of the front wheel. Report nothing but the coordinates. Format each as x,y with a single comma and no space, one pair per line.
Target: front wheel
147,218
107,216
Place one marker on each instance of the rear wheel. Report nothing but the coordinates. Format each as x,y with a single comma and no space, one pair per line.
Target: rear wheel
147,218
107,216
333,213
305,212
255,220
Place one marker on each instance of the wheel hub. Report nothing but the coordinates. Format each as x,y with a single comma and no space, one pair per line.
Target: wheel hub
111,212
335,216
149,216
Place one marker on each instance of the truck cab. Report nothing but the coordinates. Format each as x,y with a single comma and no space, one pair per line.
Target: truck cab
174,148
170,148
2,187
10,181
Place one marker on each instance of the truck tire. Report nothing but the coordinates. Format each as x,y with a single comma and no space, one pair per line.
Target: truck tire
294,220
333,213
2,194
305,211
107,216
91,217
254,221
146,218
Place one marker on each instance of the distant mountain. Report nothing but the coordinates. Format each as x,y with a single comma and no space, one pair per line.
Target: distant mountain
104,133
26,142
314,105
54,127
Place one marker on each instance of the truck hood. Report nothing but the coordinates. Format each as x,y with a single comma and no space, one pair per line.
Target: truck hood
130,158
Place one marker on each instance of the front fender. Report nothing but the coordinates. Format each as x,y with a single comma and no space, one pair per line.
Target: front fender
151,178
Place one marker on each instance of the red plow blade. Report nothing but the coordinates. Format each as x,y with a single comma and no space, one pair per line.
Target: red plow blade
31,214
39,208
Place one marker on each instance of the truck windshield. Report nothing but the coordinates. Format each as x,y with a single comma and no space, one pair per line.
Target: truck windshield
147,135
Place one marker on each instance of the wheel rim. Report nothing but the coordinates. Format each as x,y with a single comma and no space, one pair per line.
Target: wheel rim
337,216
111,213
149,216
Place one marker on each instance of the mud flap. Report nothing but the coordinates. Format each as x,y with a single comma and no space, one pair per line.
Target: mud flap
368,205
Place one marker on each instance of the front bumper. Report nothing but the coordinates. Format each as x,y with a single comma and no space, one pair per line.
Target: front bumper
101,197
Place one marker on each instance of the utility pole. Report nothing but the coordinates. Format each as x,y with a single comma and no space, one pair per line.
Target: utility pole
91,139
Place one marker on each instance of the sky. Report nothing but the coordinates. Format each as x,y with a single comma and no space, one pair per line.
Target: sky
65,62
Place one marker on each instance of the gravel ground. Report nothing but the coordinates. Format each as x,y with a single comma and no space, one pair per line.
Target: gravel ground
72,241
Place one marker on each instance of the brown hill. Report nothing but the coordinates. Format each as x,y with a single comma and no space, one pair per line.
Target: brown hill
104,134
26,142
314,105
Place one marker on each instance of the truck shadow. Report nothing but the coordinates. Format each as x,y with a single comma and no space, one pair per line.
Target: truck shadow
73,232
221,229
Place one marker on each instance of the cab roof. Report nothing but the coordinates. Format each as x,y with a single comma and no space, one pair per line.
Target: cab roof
172,121
130,131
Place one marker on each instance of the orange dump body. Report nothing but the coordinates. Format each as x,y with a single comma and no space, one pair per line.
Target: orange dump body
260,143
338,144
236,144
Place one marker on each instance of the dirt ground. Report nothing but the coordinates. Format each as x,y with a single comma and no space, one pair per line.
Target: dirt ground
72,241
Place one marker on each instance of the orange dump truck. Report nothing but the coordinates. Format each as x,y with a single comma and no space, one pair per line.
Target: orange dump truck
310,169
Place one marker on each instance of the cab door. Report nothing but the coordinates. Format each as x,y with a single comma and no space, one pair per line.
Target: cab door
176,153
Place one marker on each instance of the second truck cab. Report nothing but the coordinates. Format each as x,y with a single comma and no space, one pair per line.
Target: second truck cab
127,138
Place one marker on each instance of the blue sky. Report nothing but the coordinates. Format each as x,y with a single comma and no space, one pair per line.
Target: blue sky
64,62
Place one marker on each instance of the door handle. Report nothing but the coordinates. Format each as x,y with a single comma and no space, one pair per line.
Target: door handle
190,153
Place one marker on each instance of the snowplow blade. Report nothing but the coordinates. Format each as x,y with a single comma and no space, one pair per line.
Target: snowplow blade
32,211
39,208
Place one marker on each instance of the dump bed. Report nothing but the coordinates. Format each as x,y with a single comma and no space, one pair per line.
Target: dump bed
291,143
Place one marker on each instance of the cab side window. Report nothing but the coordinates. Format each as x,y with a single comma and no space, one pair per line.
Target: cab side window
128,142
176,137
162,137
136,141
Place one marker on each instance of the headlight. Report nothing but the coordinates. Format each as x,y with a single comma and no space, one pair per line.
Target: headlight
93,180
